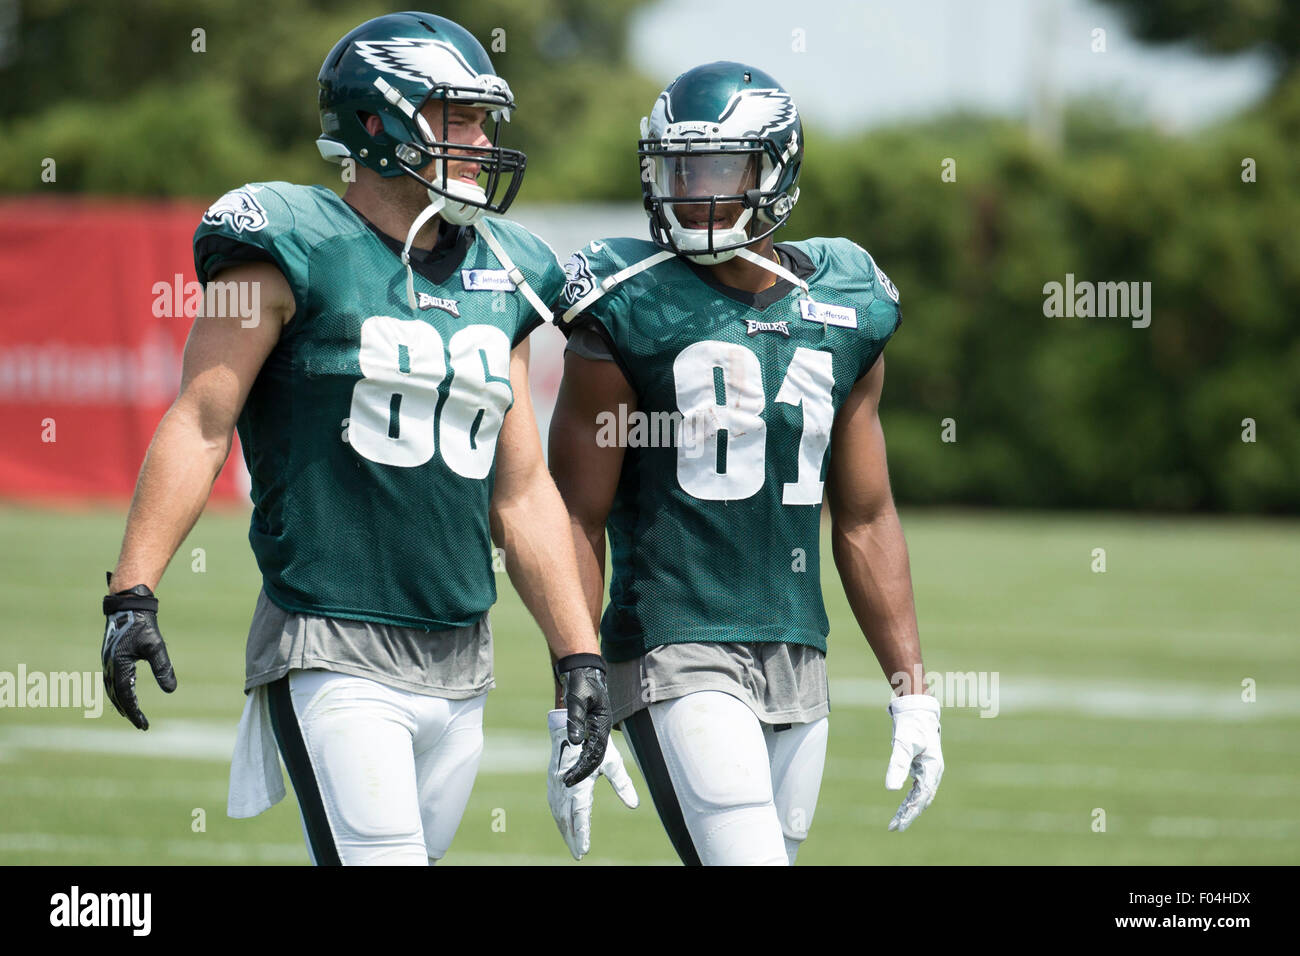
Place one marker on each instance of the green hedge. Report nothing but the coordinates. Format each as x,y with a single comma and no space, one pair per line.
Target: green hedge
1083,412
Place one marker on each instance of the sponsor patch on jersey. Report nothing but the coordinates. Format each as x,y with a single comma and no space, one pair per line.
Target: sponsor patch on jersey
754,326
493,280
238,208
427,301
840,315
579,280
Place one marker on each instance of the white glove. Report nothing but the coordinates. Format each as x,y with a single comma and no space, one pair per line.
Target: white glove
571,806
916,749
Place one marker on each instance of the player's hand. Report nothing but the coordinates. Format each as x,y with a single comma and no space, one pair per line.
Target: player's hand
130,635
571,806
586,702
916,749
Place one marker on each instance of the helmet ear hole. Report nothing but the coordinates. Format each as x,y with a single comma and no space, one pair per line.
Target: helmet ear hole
370,122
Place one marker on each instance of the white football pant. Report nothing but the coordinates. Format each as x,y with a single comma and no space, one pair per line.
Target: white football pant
382,775
729,789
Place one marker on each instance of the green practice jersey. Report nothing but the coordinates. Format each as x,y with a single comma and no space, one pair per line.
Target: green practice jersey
715,523
370,432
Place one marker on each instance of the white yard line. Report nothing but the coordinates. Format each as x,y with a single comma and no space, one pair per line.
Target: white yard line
201,847
1099,697
503,752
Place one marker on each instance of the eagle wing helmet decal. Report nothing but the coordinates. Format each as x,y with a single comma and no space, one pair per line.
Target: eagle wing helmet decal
757,113
430,62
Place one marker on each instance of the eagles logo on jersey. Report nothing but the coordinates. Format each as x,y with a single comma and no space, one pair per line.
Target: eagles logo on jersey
579,280
240,209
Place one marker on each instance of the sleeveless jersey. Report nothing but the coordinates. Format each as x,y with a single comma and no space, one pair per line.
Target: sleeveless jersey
715,525
370,432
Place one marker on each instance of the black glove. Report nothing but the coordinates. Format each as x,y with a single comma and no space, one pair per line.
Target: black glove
590,718
130,635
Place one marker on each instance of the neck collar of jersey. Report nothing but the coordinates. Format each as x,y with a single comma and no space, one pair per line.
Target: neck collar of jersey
791,258
437,264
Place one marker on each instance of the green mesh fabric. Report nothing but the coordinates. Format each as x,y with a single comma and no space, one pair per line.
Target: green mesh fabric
712,550
336,528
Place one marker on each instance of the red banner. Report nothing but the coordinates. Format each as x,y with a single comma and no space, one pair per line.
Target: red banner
96,301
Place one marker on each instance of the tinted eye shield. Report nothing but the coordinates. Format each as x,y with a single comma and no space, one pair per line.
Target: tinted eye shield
690,155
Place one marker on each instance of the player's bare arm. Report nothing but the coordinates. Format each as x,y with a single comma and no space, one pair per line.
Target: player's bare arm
529,522
222,358
871,556
867,538
585,472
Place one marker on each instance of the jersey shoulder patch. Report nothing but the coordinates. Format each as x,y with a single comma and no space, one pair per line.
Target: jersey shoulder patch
589,271
238,211
273,222
882,281
258,210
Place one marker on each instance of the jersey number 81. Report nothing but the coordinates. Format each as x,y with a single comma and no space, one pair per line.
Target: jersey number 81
704,369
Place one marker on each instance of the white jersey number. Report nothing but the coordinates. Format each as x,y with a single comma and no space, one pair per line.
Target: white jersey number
396,401
704,367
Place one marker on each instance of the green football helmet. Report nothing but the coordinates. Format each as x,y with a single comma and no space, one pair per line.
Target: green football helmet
392,67
722,134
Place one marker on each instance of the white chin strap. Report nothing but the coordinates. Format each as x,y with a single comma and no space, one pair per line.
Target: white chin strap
778,270
458,214
431,210
440,205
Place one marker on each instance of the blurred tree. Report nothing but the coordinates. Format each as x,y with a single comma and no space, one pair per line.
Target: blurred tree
127,98
1219,27
1083,412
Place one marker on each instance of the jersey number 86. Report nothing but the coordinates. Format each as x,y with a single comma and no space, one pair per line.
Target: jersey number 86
395,404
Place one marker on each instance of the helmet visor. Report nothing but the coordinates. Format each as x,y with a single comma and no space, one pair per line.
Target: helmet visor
697,184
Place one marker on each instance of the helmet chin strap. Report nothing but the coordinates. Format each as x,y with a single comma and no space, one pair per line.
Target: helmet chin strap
778,270
429,212
781,272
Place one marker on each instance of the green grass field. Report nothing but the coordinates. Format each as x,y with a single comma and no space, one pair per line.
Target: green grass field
1119,690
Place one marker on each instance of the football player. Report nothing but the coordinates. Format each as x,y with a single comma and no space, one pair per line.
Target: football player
381,398
716,384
